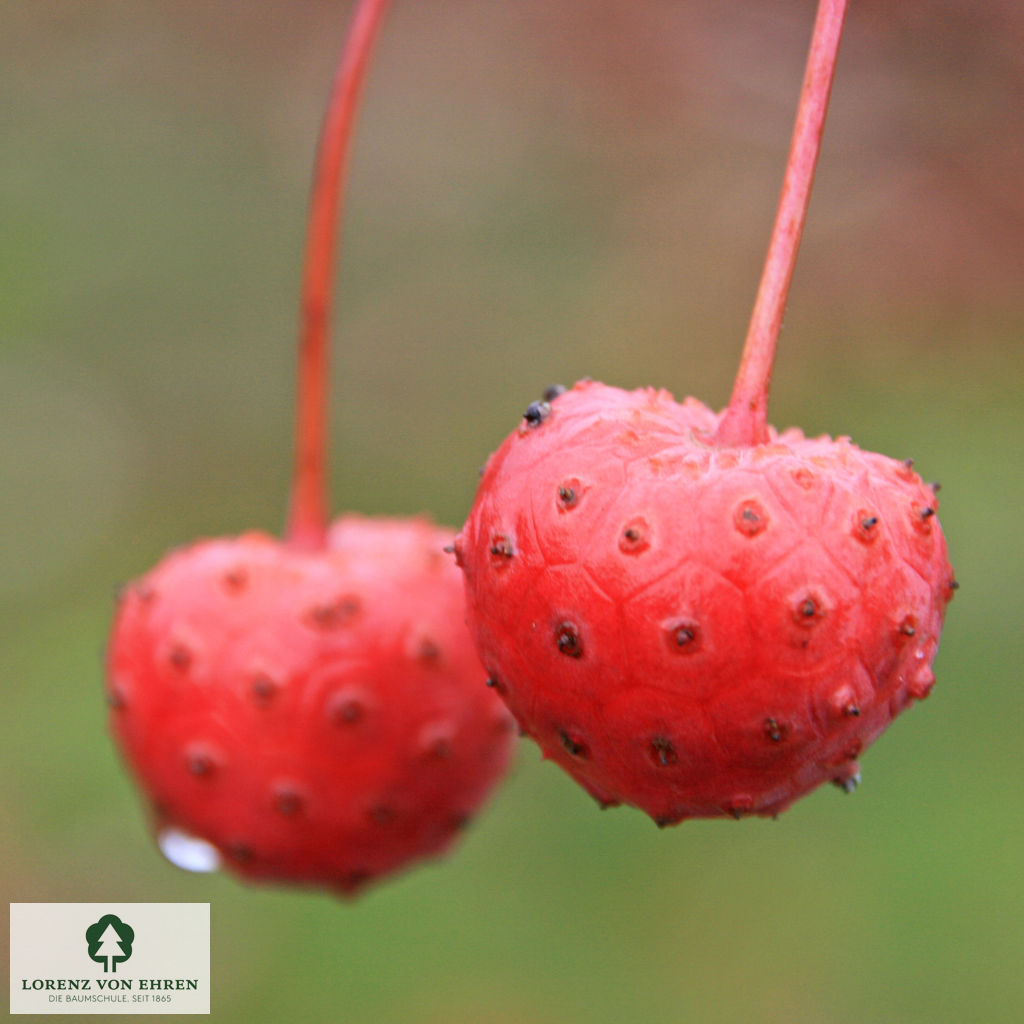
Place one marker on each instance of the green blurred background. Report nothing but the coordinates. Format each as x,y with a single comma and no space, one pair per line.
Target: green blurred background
540,191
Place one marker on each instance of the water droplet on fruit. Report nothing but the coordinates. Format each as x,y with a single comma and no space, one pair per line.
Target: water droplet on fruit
849,783
187,852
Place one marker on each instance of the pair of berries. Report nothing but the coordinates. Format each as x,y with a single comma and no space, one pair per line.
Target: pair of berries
690,612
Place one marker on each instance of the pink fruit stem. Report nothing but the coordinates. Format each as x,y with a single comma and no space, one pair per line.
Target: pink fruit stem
307,516
745,421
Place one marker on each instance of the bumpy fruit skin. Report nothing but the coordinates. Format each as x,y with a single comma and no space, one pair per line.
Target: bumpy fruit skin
696,630
319,717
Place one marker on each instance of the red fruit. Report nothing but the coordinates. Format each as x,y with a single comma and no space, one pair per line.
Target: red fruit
689,612
317,717
696,629
312,710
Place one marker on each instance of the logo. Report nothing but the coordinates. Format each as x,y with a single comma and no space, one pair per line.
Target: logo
110,958
110,941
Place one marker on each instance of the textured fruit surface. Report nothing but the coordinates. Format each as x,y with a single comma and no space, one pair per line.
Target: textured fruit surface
319,717
697,630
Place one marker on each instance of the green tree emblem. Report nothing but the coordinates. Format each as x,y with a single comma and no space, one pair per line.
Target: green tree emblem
110,941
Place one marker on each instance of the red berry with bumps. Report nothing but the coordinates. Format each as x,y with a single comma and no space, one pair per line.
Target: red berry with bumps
697,629
311,710
317,716
692,613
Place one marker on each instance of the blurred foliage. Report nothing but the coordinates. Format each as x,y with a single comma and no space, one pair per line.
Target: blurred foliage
539,192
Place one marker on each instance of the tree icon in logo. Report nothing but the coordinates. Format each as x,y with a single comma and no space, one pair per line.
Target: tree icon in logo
110,941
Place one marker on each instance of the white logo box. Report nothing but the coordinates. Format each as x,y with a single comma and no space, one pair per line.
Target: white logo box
110,958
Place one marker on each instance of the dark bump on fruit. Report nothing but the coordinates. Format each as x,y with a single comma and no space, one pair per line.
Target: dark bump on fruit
236,580
459,822
346,709
775,731
567,496
449,549
262,689
935,486
382,814
239,852
851,711
441,748
577,748
634,538
199,763
334,614
906,627
115,698
750,518
663,822
953,585
355,878
496,684
552,392
662,752
180,657
428,651
927,512
808,611
287,800
536,413
864,529
568,641
682,636
501,549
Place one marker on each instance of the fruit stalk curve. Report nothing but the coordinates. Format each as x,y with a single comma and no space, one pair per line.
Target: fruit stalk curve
307,515
745,419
